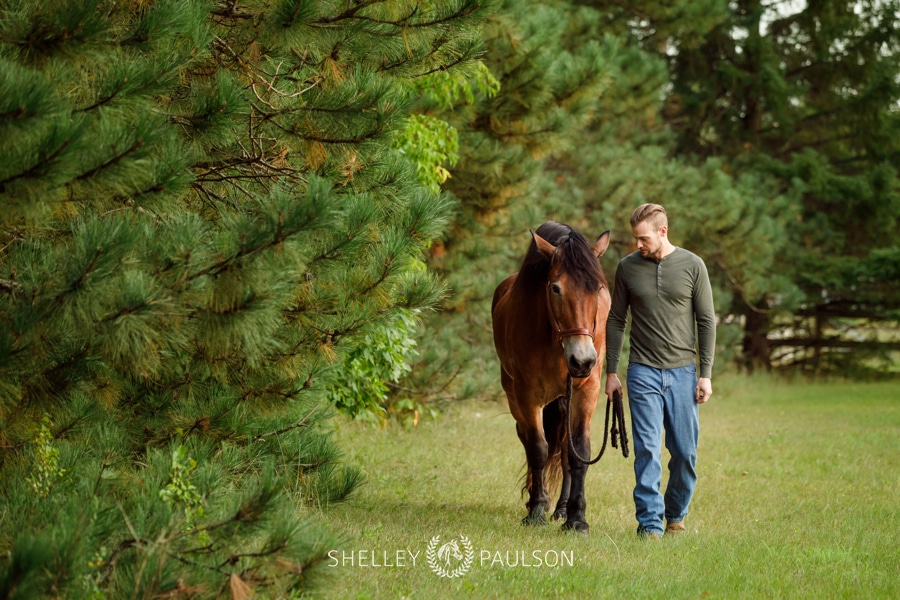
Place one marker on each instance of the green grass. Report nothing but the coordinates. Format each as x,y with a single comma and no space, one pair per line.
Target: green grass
797,498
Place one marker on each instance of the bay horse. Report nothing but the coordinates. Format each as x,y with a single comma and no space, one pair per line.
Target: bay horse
549,325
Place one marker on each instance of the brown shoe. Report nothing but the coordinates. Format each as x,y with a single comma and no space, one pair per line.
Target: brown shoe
648,535
675,528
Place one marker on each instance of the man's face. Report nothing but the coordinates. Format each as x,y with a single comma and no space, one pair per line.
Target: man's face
648,239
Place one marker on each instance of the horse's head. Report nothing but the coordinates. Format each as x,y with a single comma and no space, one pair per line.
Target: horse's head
448,551
573,296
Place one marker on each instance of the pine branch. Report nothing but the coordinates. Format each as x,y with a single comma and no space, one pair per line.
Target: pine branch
103,467
243,168
106,100
62,366
736,285
14,115
71,425
460,60
192,563
9,286
229,10
385,272
81,278
218,267
434,394
356,140
402,23
113,160
35,170
789,146
299,423
114,557
234,558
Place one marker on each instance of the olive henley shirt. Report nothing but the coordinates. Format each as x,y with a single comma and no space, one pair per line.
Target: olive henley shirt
666,298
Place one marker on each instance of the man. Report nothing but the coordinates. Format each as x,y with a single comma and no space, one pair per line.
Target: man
667,289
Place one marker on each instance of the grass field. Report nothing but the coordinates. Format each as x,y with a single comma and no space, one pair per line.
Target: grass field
797,498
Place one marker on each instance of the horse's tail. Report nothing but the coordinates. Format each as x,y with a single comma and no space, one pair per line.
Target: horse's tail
556,433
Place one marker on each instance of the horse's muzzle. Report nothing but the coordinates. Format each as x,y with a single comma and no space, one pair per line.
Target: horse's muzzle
580,355
579,369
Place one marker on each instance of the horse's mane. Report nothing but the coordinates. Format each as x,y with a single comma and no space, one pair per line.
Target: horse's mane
574,255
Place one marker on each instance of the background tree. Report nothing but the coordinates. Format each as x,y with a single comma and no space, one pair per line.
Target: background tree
204,208
806,97
546,93
577,133
627,155
767,129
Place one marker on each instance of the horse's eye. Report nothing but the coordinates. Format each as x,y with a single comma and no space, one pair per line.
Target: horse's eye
556,289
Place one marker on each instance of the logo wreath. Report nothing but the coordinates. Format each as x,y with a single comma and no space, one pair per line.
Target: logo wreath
432,555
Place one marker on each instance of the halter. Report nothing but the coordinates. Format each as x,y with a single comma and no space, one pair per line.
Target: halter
564,333
615,403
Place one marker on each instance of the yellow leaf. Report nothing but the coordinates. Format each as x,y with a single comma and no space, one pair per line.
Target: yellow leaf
239,589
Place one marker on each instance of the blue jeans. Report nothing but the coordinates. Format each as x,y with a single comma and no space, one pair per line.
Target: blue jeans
663,400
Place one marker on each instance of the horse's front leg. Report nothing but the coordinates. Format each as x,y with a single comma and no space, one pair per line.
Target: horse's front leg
531,432
582,410
560,512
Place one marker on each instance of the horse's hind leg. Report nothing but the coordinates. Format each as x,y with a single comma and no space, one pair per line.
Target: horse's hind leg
536,448
560,512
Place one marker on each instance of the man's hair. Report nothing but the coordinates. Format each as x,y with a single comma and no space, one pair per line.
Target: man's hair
654,213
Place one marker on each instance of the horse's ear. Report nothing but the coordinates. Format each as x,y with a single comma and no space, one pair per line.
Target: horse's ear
545,247
601,244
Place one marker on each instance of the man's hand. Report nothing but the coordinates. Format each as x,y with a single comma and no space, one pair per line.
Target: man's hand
704,389
612,385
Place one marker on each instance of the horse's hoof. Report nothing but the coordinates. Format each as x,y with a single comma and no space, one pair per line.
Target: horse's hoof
534,521
559,514
577,527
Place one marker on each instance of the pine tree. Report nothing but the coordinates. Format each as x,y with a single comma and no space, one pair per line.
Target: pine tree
807,98
775,152
506,139
202,210
629,156
599,150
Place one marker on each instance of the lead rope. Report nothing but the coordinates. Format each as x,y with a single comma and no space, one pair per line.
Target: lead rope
618,425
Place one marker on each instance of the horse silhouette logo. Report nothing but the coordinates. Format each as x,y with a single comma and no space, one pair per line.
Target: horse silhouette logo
451,559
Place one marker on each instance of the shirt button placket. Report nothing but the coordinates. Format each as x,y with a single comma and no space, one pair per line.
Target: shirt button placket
659,278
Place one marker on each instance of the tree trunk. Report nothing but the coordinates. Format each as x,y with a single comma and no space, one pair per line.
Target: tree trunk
757,351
